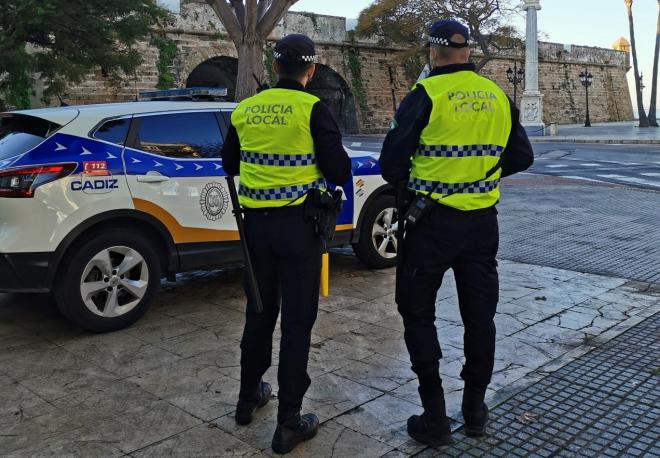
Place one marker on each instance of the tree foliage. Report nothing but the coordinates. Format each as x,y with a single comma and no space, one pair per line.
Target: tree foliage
406,22
249,23
61,41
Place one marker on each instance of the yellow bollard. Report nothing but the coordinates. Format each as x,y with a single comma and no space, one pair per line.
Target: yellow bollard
325,274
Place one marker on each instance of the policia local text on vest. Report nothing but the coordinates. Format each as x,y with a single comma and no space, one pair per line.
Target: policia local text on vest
284,142
452,140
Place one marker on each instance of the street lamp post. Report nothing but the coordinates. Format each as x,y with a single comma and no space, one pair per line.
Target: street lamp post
515,76
586,79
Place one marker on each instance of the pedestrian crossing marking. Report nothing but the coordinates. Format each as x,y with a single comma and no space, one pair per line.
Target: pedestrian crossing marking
575,177
640,181
556,166
651,174
611,176
591,164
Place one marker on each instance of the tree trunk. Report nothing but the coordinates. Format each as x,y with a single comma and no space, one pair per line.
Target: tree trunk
250,64
654,85
643,120
483,44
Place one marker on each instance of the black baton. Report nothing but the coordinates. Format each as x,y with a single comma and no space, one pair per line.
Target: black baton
252,285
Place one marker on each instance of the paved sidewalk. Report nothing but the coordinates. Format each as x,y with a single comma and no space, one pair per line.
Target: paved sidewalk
605,403
607,132
168,386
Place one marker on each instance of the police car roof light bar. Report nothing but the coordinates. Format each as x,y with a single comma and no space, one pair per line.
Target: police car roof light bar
192,93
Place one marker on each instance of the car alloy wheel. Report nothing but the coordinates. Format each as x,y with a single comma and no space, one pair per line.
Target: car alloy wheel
114,281
384,231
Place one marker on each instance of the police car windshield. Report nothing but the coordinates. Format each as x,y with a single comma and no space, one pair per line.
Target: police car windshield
20,133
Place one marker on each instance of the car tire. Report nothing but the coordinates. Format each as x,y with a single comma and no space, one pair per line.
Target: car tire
376,246
109,280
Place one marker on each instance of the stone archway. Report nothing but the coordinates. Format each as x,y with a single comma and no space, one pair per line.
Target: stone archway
220,71
329,86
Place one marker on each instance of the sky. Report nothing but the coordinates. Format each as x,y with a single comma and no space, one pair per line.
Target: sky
579,22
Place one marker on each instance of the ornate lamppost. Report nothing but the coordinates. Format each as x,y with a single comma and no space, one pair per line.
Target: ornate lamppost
586,79
515,76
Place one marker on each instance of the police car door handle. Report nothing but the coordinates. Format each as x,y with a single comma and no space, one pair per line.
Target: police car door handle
152,177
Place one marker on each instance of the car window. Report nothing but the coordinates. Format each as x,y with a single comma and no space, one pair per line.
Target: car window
114,131
20,133
180,135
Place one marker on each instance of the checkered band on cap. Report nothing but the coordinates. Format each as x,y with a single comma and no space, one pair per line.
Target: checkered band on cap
282,193
278,159
439,41
481,187
311,59
459,150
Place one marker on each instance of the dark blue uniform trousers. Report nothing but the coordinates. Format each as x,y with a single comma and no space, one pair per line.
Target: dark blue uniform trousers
286,255
467,243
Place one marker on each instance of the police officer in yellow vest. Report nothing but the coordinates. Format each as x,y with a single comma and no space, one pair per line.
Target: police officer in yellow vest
284,141
452,140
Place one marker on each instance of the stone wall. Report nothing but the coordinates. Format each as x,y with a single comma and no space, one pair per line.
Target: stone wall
564,98
375,74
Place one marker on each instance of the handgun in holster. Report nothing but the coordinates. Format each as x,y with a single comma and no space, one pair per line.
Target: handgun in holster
322,208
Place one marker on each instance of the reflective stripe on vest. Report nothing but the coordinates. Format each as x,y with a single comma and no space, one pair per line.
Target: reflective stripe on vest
426,186
467,132
278,164
286,192
290,160
459,151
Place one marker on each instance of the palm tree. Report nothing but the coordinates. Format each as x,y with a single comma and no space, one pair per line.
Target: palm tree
654,86
643,120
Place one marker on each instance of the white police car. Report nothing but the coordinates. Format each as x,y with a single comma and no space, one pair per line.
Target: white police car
99,202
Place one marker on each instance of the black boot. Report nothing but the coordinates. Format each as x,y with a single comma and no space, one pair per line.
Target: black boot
294,431
432,427
246,409
475,412
430,431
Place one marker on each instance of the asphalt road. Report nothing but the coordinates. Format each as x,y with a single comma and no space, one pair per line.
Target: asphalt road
636,166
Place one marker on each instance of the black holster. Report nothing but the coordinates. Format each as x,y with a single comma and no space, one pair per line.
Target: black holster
322,208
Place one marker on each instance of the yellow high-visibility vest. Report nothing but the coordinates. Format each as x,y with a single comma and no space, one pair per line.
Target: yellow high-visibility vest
467,132
278,163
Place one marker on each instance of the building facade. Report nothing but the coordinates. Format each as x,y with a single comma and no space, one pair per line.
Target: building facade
361,80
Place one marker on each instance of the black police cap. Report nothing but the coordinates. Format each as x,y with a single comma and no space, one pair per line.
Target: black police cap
295,48
441,32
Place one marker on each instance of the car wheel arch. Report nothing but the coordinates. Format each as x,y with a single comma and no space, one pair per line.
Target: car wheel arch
112,219
385,189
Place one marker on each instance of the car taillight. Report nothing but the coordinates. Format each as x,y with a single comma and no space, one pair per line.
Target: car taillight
22,182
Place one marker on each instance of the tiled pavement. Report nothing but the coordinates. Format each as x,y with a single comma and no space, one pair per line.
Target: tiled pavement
605,403
167,386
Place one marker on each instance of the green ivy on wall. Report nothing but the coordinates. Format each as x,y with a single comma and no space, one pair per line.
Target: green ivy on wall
355,69
268,64
413,66
167,52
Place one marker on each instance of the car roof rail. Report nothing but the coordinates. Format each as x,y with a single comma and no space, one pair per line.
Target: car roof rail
203,94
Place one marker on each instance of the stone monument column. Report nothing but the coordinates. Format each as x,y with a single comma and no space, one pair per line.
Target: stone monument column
531,105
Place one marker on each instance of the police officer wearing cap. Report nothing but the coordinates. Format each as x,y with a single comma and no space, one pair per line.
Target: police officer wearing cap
452,139
284,141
